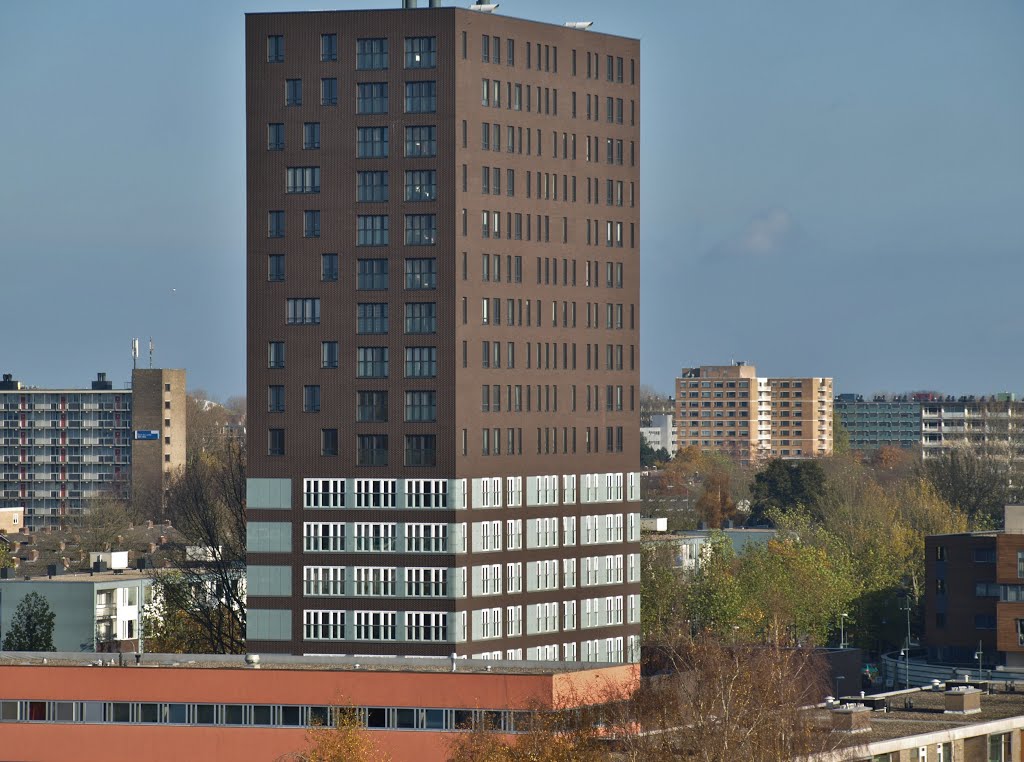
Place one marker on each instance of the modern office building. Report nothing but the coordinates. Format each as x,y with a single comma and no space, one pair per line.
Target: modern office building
882,421
63,447
443,344
728,408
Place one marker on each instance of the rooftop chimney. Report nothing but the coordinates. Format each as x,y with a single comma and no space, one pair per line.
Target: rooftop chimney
855,718
101,382
963,700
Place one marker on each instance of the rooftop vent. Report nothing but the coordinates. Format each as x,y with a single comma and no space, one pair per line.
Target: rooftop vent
101,382
854,718
579,24
484,7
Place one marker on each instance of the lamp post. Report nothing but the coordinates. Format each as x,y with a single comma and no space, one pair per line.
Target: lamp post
842,630
978,655
906,652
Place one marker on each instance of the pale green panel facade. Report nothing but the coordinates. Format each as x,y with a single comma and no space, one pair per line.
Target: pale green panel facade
269,580
268,537
268,624
268,493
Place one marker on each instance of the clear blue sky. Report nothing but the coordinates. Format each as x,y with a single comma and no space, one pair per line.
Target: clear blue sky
829,188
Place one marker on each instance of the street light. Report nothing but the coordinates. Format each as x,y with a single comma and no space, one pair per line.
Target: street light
906,652
842,630
978,655
839,679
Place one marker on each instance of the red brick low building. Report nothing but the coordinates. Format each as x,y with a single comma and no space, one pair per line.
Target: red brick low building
173,707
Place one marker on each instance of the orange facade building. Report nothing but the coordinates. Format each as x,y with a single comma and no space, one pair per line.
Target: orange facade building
174,707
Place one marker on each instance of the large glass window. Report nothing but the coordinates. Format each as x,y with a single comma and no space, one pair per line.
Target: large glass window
421,406
372,406
303,311
420,52
420,362
420,274
371,318
421,317
372,142
420,97
419,141
420,185
421,450
372,98
371,186
372,450
372,53
372,362
372,274
372,230
303,180
420,229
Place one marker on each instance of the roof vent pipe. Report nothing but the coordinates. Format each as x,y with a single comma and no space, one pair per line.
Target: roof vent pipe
435,3
410,4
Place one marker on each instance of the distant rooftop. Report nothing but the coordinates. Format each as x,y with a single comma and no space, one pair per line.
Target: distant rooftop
284,662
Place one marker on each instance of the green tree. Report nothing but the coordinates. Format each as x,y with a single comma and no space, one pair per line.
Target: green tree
976,481
715,599
32,626
784,485
648,454
840,435
663,591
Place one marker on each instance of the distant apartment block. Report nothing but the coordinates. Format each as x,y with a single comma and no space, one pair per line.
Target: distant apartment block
882,421
63,447
996,421
728,408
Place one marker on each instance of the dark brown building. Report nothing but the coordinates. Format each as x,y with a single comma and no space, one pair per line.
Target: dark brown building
443,335
975,594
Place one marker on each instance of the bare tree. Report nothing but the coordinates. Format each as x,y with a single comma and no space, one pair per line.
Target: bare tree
204,590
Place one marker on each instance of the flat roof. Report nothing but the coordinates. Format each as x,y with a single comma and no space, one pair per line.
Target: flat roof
80,576
397,8
928,715
307,662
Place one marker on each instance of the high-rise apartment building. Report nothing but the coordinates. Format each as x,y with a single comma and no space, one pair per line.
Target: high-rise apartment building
443,346
728,408
64,447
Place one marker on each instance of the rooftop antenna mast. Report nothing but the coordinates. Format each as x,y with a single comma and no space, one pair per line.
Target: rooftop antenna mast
151,352
135,354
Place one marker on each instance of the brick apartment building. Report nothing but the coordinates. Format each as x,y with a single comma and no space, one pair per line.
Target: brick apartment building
443,344
728,408
975,595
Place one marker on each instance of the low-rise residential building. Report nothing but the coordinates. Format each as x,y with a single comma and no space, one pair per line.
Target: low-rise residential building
689,546
95,611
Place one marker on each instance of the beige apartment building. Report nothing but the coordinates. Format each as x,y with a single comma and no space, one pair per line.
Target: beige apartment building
728,408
